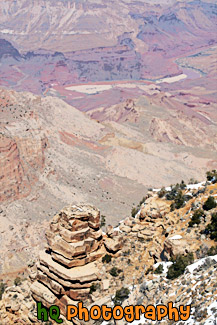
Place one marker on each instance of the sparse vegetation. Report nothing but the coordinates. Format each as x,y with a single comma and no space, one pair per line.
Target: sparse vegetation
126,253
121,295
182,185
135,211
159,269
115,271
212,251
2,289
211,229
210,203
187,197
196,218
179,201
102,221
172,193
162,192
17,281
176,194
107,258
94,287
211,176
149,270
193,181
142,201
172,206
179,264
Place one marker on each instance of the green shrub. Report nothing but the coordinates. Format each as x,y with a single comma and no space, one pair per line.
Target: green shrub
179,200
211,228
196,218
172,207
193,181
107,258
115,271
172,193
102,221
210,203
149,270
121,295
182,185
142,201
94,287
159,269
162,192
135,211
212,251
179,264
212,176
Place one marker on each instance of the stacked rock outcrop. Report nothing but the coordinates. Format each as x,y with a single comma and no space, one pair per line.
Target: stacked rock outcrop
153,209
66,269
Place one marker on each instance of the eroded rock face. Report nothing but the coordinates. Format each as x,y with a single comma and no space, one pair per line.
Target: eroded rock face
21,159
174,247
153,209
66,269
60,280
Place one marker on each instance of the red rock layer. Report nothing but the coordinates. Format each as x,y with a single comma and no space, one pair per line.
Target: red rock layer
20,162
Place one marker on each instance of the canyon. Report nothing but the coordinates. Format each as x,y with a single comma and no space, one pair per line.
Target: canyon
99,103
127,265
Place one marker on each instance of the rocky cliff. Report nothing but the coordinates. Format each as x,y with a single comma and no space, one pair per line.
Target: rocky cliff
166,252
66,269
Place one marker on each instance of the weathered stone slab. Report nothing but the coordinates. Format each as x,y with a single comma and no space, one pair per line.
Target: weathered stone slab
93,256
113,245
85,273
96,234
124,228
43,294
78,294
74,236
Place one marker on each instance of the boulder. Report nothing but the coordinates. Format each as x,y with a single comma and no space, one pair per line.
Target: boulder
113,245
129,222
153,209
105,284
78,294
109,231
125,228
138,227
174,247
43,294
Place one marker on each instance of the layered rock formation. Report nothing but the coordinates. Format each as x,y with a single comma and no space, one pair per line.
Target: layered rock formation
70,265
21,160
66,269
